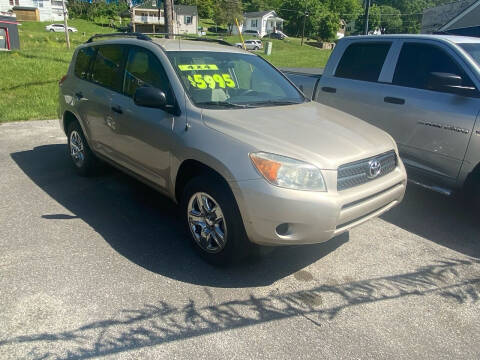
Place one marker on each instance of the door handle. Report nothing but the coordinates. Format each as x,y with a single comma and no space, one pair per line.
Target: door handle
117,109
394,100
329,89
79,95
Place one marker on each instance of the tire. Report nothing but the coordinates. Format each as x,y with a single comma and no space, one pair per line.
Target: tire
70,30
83,159
51,30
208,242
471,192
256,48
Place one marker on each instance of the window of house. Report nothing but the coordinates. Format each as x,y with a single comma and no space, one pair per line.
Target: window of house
17,2
107,68
144,69
417,61
254,23
10,2
187,20
82,64
363,61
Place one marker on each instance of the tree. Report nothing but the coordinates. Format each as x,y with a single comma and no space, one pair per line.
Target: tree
328,25
227,11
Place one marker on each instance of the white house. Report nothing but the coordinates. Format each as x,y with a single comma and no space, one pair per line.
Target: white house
265,22
48,10
149,17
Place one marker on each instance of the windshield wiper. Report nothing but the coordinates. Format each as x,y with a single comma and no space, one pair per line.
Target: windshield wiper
225,104
275,102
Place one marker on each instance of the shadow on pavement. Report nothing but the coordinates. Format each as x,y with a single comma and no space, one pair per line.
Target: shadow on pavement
444,220
162,322
144,226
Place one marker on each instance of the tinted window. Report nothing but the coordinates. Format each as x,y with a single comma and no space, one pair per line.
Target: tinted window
417,61
107,68
144,69
473,50
84,57
363,61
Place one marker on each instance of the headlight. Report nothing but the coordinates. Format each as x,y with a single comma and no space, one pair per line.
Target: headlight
287,172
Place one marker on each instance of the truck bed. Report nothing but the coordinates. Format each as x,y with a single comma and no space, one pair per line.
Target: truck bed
306,79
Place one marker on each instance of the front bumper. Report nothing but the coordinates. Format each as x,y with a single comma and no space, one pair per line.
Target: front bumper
277,216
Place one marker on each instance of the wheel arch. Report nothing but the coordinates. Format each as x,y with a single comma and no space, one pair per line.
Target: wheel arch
191,168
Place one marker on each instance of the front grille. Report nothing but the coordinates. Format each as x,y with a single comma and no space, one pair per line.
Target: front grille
357,173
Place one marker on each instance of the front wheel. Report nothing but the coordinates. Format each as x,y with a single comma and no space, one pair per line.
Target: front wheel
471,191
51,30
213,220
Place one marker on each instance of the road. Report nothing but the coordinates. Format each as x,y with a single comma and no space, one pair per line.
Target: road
99,267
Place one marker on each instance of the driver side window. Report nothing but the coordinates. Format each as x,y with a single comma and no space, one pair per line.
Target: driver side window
144,69
417,61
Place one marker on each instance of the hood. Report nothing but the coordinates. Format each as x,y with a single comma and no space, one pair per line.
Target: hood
315,133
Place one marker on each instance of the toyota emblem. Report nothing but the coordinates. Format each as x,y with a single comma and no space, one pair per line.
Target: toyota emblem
374,168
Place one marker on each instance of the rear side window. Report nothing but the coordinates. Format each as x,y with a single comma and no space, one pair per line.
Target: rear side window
108,67
417,61
363,61
82,64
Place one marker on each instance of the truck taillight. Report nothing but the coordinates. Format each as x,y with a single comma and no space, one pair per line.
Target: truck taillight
62,80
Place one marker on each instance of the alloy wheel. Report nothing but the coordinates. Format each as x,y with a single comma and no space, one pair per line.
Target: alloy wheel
77,150
207,222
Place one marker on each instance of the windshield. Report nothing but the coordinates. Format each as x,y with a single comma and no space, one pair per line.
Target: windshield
473,50
232,80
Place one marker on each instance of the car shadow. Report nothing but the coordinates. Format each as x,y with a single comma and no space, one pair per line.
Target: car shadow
435,217
144,226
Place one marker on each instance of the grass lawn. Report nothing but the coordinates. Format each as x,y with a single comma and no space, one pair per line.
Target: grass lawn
29,77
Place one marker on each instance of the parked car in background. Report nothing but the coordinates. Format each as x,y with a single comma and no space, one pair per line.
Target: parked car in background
277,35
59,28
229,137
255,33
423,90
251,45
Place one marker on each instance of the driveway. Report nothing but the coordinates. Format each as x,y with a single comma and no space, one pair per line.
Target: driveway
93,267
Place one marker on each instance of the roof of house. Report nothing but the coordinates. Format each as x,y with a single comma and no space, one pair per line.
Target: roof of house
258,13
439,16
29,8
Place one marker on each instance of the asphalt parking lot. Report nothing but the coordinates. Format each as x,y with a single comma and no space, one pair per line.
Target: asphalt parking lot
93,267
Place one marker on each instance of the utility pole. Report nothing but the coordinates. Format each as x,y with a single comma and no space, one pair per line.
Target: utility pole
303,27
367,14
67,38
168,12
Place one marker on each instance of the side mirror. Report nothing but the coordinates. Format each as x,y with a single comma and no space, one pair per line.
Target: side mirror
150,97
444,81
450,83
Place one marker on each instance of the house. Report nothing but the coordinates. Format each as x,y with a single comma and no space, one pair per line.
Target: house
149,17
34,10
9,39
265,22
456,18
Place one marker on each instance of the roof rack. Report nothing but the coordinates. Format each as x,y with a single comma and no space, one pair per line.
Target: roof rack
137,35
146,37
193,38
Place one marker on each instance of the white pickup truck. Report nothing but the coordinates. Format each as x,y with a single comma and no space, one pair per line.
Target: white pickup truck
422,89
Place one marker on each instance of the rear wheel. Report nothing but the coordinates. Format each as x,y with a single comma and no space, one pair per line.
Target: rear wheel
256,48
82,157
51,30
213,220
